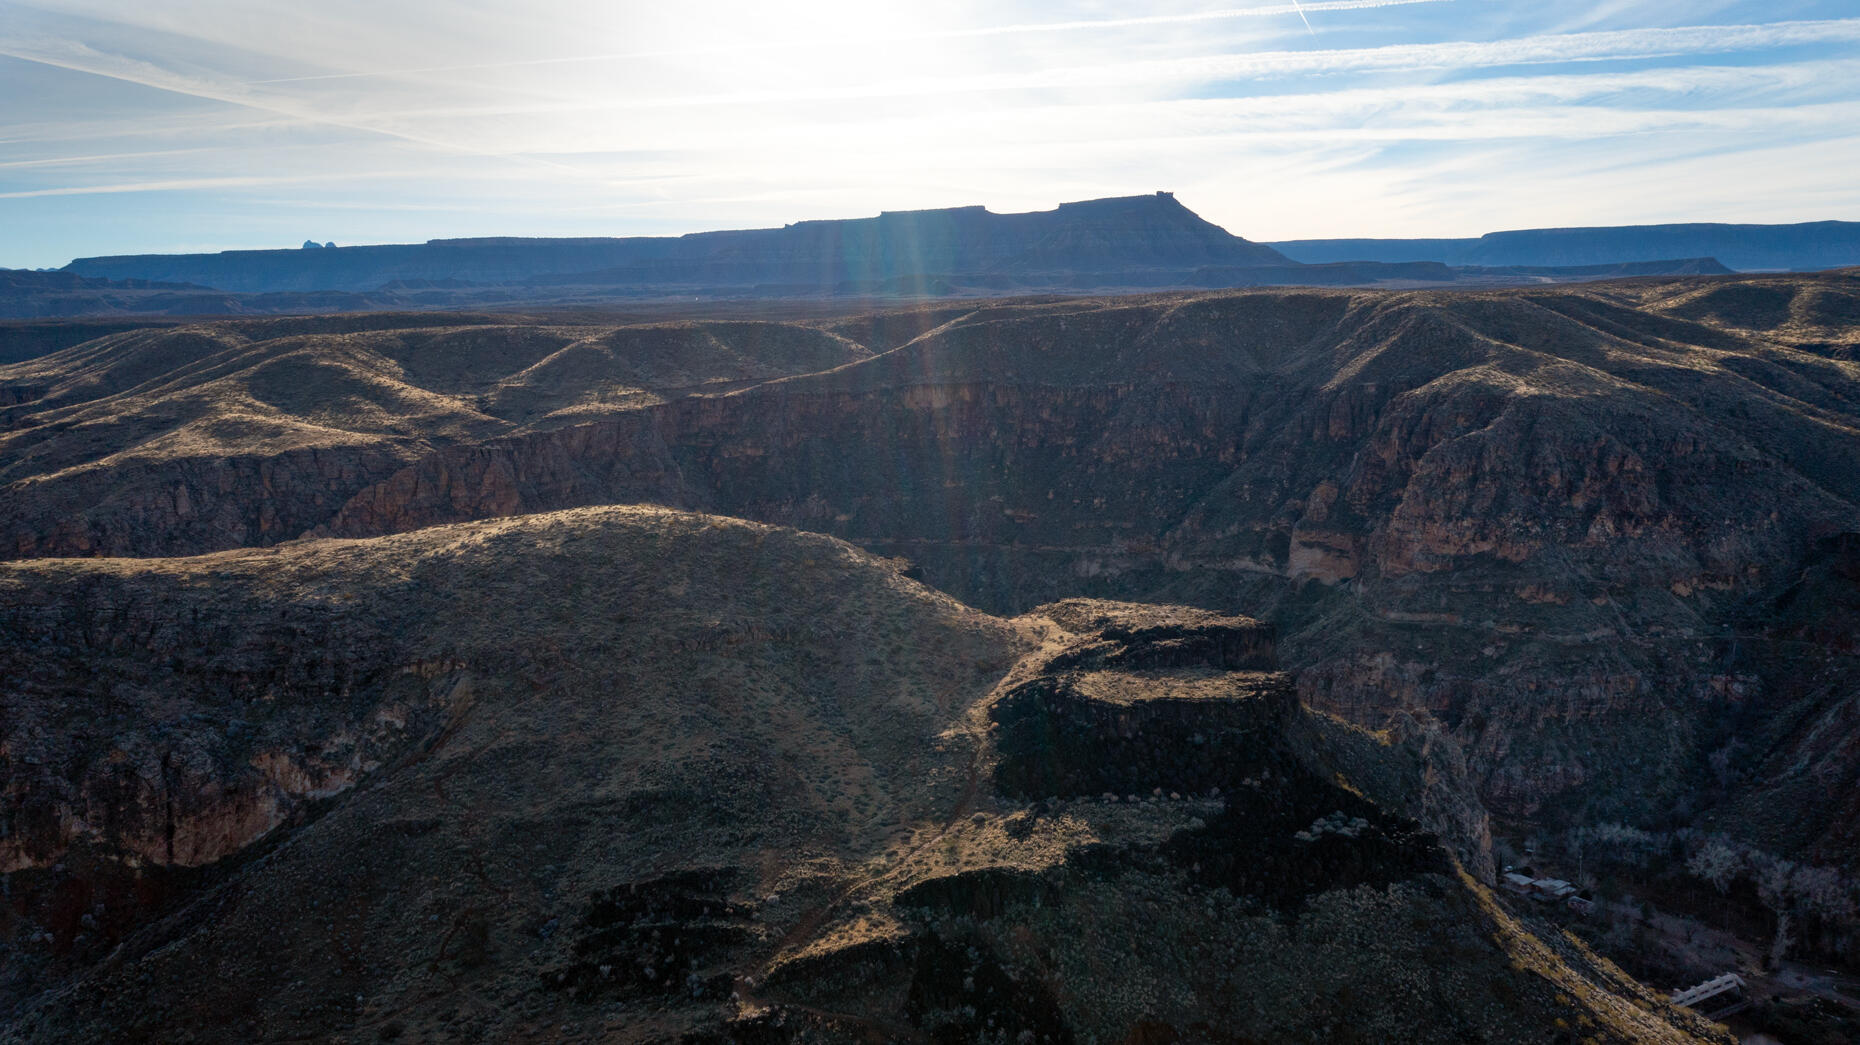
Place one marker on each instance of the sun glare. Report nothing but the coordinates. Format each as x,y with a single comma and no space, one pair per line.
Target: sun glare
821,36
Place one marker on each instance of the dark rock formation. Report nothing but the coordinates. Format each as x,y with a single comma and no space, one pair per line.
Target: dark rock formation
174,728
1086,728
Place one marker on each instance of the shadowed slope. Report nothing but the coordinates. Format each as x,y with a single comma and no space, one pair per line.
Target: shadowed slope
638,775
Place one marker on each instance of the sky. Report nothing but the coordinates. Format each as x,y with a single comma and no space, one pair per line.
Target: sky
201,125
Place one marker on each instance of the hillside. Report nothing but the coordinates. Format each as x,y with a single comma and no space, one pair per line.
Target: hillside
626,774
248,432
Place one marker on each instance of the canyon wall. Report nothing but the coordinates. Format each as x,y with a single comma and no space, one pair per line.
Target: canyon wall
1533,518
1558,525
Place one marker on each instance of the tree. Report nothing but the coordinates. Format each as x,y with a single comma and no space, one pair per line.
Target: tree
1775,887
1824,895
1717,863
1785,939
1823,892
1775,883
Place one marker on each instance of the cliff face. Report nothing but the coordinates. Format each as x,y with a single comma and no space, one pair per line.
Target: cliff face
658,777
160,506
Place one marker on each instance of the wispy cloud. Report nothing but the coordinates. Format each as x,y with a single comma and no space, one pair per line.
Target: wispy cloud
80,58
1540,50
833,42
178,185
103,158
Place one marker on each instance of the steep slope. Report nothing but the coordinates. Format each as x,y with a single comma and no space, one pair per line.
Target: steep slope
635,775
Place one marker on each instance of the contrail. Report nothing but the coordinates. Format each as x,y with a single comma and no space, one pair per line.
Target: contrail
148,75
1302,18
995,30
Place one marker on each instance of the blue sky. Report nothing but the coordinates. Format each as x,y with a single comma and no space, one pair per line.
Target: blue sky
185,125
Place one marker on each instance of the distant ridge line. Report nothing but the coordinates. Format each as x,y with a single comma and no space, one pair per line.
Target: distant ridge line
1801,246
1116,235
1120,244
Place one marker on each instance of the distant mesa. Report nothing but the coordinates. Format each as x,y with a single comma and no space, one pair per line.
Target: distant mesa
1132,241
1808,246
1124,244
405,285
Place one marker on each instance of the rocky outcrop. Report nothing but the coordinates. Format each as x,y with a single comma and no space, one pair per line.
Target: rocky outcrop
1127,637
1147,700
1119,729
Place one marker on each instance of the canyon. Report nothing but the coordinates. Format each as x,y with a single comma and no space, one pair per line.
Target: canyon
672,594
1556,522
